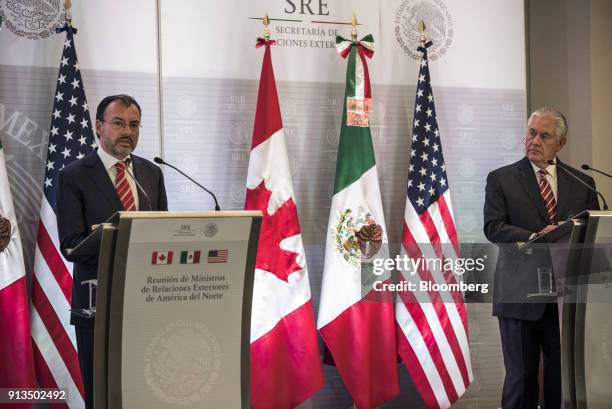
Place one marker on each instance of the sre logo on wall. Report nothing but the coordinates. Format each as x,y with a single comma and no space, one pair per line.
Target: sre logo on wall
303,30
307,7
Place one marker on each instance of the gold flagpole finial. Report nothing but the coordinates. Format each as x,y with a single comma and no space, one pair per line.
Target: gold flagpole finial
422,30
354,31
266,23
68,8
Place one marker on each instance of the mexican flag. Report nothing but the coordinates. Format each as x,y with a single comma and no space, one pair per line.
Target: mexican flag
16,359
190,257
356,322
285,363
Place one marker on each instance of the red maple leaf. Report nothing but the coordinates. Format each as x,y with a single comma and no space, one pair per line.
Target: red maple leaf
274,228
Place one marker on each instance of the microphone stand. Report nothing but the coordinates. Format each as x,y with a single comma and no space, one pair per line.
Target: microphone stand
562,167
160,161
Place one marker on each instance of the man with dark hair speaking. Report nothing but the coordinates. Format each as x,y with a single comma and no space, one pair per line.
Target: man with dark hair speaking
91,189
523,200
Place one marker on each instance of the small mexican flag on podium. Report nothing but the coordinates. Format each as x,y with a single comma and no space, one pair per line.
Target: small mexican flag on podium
190,257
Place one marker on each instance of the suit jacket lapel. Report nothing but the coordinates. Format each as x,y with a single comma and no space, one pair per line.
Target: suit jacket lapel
99,175
563,189
530,183
143,202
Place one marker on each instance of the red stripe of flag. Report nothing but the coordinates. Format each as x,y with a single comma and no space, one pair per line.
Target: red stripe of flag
449,224
367,89
54,260
267,116
430,228
45,378
439,308
419,378
418,316
57,333
451,231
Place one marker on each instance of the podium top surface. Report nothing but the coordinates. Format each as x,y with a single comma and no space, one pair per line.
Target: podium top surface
600,213
563,230
188,214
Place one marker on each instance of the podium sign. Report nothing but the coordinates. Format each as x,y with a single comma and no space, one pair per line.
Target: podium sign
178,311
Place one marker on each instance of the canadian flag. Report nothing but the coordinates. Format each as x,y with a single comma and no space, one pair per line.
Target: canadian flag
161,257
285,363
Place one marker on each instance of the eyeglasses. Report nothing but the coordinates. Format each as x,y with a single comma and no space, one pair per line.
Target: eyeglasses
118,125
544,137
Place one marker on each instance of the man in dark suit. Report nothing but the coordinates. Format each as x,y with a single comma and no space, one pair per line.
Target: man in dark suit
523,200
93,188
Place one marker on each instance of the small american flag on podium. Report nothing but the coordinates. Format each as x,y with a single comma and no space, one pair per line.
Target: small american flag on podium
217,256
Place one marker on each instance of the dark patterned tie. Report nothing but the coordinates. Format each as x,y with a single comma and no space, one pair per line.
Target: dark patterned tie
123,187
548,196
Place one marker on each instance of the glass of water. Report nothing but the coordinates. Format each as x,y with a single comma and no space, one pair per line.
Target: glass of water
545,280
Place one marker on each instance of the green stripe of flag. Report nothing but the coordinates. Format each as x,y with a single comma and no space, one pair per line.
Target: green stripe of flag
350,72
355,151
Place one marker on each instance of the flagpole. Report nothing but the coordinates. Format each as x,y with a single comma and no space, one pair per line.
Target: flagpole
354,30
68,8
422,30
266,23
160,81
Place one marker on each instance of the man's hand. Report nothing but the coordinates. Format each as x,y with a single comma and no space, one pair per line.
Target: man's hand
547,229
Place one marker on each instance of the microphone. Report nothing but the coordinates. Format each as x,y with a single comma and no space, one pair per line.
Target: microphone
160,161
562,167
144,193
587,167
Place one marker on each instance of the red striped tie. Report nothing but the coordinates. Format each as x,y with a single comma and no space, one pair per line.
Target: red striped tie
124,191
548,196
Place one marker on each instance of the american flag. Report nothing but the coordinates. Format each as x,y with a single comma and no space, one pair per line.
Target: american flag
71,137
431,325
217,256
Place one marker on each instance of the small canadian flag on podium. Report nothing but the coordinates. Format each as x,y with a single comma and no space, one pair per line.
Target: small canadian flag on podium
161,257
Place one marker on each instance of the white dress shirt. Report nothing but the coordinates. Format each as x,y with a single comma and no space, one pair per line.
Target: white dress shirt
109,164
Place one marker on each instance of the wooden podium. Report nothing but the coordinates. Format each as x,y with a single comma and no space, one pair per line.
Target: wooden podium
581,256
173,309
